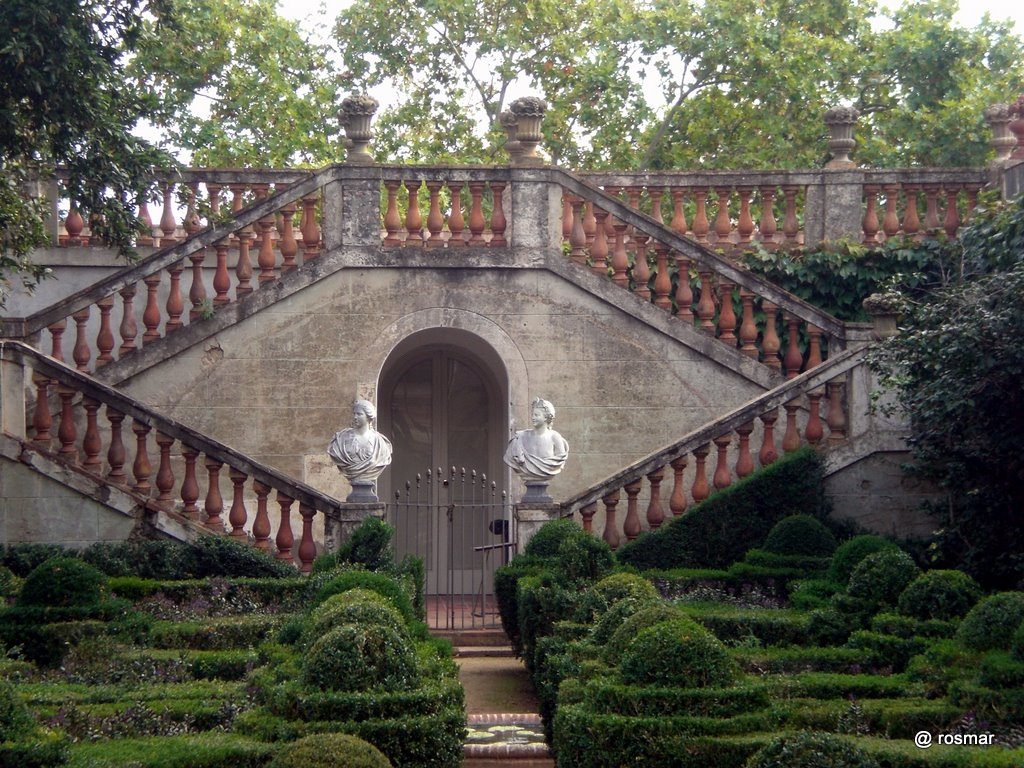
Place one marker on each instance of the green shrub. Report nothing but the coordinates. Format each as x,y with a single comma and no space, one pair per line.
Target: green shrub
549,537
943,595
800,535
1000,670
992,623
633,625
15,720
680,653
330,750
769,626
9,583
22,559
811,750
63,582
506,593
886,650
542,601
208,556
828,626
830,685
218,634
619,586
357,658
608,696
808,594
720,530
1017,643
375,582
849,554
583,559
904,626
612,619
336,611
368,546
205,750
429,698
881,577
783,564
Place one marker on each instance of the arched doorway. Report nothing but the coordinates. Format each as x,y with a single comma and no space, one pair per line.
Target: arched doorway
443,402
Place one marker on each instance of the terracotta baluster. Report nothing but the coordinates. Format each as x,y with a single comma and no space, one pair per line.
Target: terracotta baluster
767,227
677,502
309,228
745,225
589,223
587,515
141,468
190,485
221,278
700,216
285,539
168,224
261,524
793,359
891,222
214,504
213,190
655,513
744,462
662,281
57,339
813,431
307,547
42,421
243,268
611,527
814,346
706,304
599,248
911,223
678,223
129,327
748,328
265,258
577,237
836,416
456,222
791,439
631,525
567,216
700,489
498,222
81,353
237,516
931,210
727,315
175,301
620,261
722,477
641,269
770,343
684,291
790,227
476,214
435,221
192,222
723,224
392,219
145,238
286,243
655,193
91,443
768,452
951,222
869,225
151,314
67,433
164,473
116,453
105,337
73,225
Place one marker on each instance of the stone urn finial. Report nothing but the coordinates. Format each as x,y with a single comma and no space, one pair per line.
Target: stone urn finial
1016,111
529,113
884,309
841,122
510,123
1002,142
357,119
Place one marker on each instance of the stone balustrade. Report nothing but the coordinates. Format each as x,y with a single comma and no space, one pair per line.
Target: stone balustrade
112,436
918,204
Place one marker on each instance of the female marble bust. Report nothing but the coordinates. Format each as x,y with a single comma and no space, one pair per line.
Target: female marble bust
537,454
361,452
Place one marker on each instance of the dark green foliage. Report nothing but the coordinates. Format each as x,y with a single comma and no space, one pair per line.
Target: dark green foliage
992,622
34,753
22,559
802,564
808,594
1017,643
63,582
849,554
795,659
612,619
208,556
886,650
824,685
828,626
717,532
411,570
357,658
800,535
904,626
223,556
620,586
583,558
329,750
204,750
630,627
811,750
375,582
943,595
15,720
1000,670
881,578
999,704
430,698
222,665
369,546
549,537
506,593
542,601
767,626
609,696
336,611
679,653
219,634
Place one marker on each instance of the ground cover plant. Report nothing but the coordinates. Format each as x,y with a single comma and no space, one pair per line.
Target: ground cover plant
146,654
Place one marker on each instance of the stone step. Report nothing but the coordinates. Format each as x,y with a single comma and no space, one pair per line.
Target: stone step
516,740
475,651
472,638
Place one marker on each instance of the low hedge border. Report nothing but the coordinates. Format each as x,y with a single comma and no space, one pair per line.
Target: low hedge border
611,696
223,634
795,659
432,697
824,685
287,593
208,750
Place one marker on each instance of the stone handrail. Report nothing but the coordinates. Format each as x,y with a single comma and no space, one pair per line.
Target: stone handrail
81,396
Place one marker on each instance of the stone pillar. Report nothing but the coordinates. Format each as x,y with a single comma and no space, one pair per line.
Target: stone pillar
535,216
12,398
884,312
339,524
833,208
529,519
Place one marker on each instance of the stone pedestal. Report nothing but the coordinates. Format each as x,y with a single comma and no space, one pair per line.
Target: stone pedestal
338,526
530,517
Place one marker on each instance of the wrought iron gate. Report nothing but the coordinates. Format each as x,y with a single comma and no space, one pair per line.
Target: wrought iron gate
460,525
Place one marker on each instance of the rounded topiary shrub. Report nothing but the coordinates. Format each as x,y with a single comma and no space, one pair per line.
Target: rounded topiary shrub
849,554
811,750
619,586
678,653
338,610
612,619
584,558
549,537
357,658
945,595
628,629
63,582
992,623
800,535
881,578
330,750
374,582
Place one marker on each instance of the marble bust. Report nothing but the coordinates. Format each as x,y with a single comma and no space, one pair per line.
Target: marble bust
537,454
361,452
